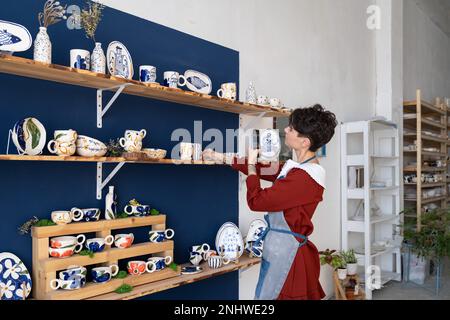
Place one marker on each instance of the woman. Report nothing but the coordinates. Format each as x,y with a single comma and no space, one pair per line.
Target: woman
290,266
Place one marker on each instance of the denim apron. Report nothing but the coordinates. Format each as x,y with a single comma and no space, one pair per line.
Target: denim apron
280,249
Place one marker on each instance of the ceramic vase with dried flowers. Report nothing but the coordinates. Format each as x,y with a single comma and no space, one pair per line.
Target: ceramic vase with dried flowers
53,13
90,18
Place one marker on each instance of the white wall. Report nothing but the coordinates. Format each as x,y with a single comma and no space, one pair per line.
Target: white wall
303,51
427,55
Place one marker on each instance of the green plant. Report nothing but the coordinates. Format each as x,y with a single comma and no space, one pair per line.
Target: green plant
332,258
154,212
349,256
34,222
125,288
433,239
173,266
121,275
122,215
87,252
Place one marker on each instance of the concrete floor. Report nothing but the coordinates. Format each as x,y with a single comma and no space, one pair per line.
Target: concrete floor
409,291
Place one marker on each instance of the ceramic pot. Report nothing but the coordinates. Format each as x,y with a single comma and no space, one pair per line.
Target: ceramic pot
342,274
98,59
123,241
352,269
42,47
90,147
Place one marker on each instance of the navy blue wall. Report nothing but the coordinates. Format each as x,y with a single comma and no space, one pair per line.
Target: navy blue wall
197,200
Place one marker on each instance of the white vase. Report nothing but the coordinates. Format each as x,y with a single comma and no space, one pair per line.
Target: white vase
250,94
342,274
352,269
98,59
43,47
110,205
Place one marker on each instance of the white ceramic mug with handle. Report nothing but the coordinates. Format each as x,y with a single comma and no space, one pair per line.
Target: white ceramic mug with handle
227,91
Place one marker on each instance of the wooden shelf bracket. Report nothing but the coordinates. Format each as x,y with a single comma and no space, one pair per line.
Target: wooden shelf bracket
100,111
102,184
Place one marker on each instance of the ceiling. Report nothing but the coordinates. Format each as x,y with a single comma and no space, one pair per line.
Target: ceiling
438,11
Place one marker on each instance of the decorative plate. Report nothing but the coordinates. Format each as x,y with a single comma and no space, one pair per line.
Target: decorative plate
14,37
230,238
13,276
198,82
191,270
255,230
119,59
29,136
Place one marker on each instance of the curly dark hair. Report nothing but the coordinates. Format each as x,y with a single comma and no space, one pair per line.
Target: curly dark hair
314,123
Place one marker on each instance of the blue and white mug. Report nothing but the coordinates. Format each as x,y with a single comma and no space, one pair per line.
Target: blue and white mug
172,79
147,74
80,59
160,262
160,236
73,272
141,210
91,214
98,244
104,274
71,284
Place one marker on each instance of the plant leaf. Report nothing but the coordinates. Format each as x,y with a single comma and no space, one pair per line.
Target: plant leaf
35,133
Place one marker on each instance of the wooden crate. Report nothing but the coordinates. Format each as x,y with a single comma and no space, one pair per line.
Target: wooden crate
45,268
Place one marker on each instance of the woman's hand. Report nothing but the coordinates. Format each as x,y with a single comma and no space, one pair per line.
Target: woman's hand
211,155
253,156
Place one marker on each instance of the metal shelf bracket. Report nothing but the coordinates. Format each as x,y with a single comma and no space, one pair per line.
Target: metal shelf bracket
100,111
102,184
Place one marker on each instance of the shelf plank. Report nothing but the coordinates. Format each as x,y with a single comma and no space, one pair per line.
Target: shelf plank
147,289
428,200
426,137
427,185
85,227
410,106
411,121
84,78
428,153
112,254
424,169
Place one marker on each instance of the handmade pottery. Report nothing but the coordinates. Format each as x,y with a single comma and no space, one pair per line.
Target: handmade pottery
123,241
352,269
216,262
119,61
227,91
65,135
98,244
132,142
141,210
90,147
80,59
147,74
196,151
155,154
110,204
67,241
208,253
62,148
195,257
64,252
98,59
91,214
263,100
29,136
62,217
173,79
201,248
229,242
160,236
137,268
77,282
14,37
255,231
198,82
275,102
191,269
250,94
269,144
160,262
104,274
73,272
186,151
15,280
42,47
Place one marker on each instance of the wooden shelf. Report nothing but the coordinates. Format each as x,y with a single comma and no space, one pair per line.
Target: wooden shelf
411,120
411,106
424,169
427,185
84,78
428,153
426,137
147,289
427,200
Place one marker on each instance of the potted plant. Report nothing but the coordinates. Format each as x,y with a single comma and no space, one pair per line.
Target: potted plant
336,261
351,261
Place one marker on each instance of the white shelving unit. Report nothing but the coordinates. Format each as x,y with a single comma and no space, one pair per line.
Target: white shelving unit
371,213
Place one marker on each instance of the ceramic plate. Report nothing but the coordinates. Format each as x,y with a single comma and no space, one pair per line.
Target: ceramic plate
229,236
119,59
13,274
256,227
198,82
14,37
29,136
191,270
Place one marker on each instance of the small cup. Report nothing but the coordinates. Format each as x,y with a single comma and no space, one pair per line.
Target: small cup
196,152
91,214
195,257
73,272
62,148
64,217
208,253
70,284
173,79
137,211
65,135
161,262
132,142
67,241
123,241
104,274
186,151
263,100
98,244
216,262
201,248
227,91
160,236
147,74
64,252
80,59
138,267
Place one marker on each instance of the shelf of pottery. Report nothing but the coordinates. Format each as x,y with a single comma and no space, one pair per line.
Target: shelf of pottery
425,157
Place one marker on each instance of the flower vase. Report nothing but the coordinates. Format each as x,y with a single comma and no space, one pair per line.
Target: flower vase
43,47
250,94
98,59
111,204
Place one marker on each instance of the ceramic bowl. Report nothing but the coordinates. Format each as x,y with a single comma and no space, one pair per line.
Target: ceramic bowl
67,241
72,272
90,147
123,241
64,252
71,284
155,154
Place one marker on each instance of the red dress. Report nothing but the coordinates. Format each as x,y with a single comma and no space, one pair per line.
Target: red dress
297,195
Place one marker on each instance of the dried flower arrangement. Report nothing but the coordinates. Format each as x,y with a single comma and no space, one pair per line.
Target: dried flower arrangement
34,222
114,148
53,13
91,17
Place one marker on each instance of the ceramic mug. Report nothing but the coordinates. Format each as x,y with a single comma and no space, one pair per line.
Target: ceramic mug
208,253
70,284
64,252
275,102
216,262
196,152
91,214
160,262
80,59
64,217
195,257
73,272
65,135
137,211
104,274
172,79
147,74
67,241
62,148
132,142
98,244
138,267
201,248
227,91
123,241
263,100
160,236
186,151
